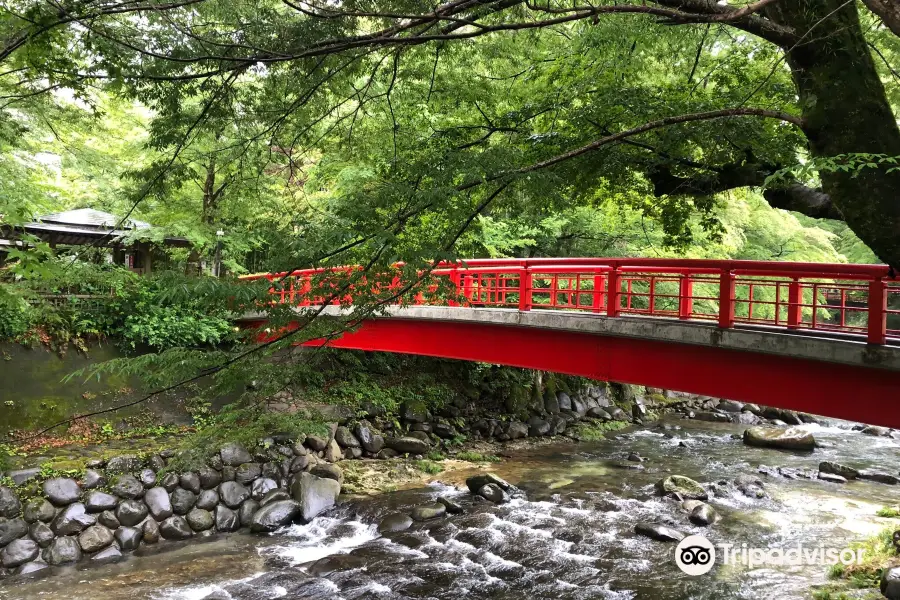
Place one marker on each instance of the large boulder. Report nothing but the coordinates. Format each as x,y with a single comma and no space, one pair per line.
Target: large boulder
703,514
129,538
41,533
38,509
95,538
369,437
175,528
233,493
333,452
150,529
476,482
127,486
517,430
493,493
328,471
200,520
157,500
63,551
246,512
679,485
407,445
182,501
18,552
345,438
226,519
791,438
72,519
315,495
563,400
890,583
247,472
429,511
274,515
9,503
62,490
190,481
97,501
261,487
209,478
131,512
234,454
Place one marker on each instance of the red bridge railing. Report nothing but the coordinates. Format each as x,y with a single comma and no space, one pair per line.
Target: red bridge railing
821,298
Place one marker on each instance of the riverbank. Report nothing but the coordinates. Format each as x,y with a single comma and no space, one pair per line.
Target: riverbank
570,534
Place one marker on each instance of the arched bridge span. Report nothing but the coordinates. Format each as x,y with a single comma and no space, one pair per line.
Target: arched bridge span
821,338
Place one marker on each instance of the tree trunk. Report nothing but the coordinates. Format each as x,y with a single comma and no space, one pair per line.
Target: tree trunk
209,194
846,111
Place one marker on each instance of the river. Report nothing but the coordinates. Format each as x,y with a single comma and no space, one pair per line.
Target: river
570,536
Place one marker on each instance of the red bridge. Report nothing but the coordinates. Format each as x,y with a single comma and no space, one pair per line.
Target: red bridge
821,338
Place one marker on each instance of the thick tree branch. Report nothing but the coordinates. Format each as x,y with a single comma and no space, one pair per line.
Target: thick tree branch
888,11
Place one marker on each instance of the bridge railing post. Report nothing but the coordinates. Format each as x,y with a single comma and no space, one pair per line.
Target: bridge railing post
613,292
685,297
525,284
599,299
795,308
455,280
877,327
726,299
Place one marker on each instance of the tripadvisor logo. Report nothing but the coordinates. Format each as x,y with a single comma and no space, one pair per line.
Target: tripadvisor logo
696,555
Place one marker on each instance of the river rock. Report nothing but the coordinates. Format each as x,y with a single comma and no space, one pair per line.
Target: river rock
92,479
299,464
316,443
538,427
95,538
147,478
476,482
207,500
10,506
564,401
731,406
129,538
72,519
131,512
97,501
247,472
64,550
333,452
712,416
175,528
200,520
407,445
110,554
878,476
246,512
791,438
150,529
599,413
369,438
22,476
750,486
170,482
832,478
493,492
233,493
108,519
703,515
429,511
452,507
38,509
18,552
209,478
32,567
838,469
62,491
780,414
127,463
190,481
890,583
517,430
387,453
617,414
234,455
395,522
41,533
261,487
274,515
876,431
157,463
328,471
345,438
659,533
182,501
685,487
127,486
274,496
157,500
315,494
226,519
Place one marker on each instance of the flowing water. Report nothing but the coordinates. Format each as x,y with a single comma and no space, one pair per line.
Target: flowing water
570,537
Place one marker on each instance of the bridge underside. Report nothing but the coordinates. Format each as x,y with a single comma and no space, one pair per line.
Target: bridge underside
847,390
